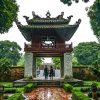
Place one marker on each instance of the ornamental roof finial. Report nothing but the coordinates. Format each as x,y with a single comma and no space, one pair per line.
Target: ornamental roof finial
48,14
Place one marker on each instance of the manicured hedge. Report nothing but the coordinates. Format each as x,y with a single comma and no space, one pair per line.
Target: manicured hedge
29,87
20,90
90,94
77,89
79,96
85,89
9,90
67,87
7,84
16,96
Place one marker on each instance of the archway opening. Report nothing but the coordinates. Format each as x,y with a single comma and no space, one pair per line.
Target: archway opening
41,62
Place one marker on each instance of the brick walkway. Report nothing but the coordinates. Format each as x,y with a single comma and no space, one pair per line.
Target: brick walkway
48,93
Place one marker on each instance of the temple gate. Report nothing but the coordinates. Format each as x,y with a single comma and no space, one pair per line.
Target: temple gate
47,37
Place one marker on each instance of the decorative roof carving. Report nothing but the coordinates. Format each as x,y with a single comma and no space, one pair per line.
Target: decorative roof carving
35,16
78,22
60,16
26,17
17,22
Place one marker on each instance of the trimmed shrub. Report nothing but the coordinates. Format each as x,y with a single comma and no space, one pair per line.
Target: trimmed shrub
90,94
77,89
85,89
29,87
67,87
9,90
20,90
79,96
7,84
16,96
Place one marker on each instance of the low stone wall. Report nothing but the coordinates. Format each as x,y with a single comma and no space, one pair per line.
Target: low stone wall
83,73
79,72
17,73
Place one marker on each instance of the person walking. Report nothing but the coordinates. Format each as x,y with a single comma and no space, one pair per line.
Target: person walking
46,72
51,72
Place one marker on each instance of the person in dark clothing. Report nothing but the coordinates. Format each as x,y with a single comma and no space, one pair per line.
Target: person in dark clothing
46,72
51,72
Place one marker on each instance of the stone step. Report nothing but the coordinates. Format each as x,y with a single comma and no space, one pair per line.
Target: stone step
49,83
48,86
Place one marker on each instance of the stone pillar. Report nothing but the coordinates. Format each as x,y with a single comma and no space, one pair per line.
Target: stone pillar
68,65
28,70
62,66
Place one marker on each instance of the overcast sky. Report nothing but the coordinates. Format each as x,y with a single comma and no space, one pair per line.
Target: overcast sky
83,33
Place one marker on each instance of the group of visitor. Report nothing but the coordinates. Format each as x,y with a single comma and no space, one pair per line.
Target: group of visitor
49,73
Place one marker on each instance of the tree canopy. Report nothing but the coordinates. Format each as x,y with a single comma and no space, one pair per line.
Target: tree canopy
94,14
39,61
87,52
69,2
57,62
10,50
8,13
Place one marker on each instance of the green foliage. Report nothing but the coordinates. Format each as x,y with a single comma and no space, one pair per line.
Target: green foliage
77,89
94,14
21,61
20,90
10,50
85,89
8,13
95,70
57,62
67,87
74,61
39,61
79,96
87,52
4,66
69,2
9,90
16,96
6,84
29,87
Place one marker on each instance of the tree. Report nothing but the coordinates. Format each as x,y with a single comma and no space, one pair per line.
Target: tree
94,14
10,50
39,61
8,13
56,61
4,66
69,2
87,52
21,61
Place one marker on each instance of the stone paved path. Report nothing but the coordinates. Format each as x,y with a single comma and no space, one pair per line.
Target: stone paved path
48,93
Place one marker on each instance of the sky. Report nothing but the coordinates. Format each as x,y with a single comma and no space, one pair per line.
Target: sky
83,34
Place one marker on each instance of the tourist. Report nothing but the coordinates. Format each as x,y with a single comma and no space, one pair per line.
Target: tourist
46,72
51,72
